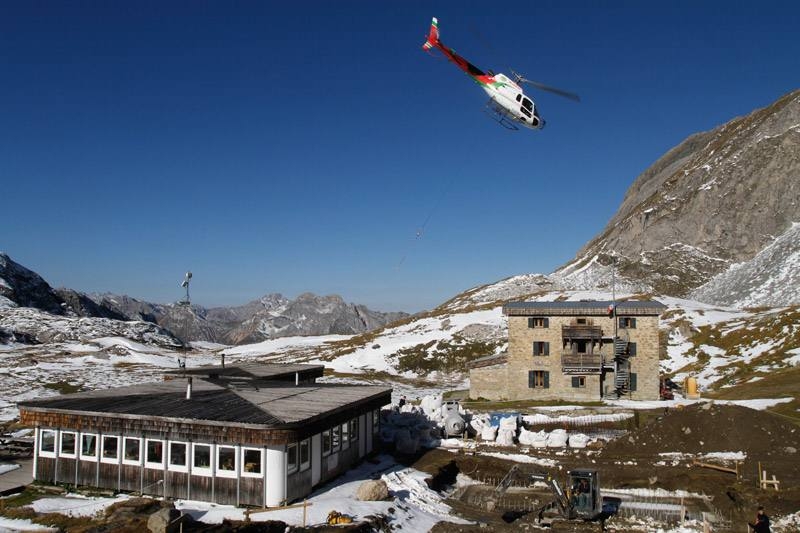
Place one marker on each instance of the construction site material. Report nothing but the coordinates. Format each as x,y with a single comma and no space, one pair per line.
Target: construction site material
690,388
734,471
336,518
764,482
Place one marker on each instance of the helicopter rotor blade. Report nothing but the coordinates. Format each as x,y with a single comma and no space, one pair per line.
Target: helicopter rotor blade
554,90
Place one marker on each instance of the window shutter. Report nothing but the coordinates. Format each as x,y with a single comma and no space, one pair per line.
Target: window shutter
547,322
546,348
530,322
576,382
546,380
633,381
533,350
633,323
530,379
631,349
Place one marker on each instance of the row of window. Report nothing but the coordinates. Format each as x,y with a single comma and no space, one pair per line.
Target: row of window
624,322
540,379
153,453
542,348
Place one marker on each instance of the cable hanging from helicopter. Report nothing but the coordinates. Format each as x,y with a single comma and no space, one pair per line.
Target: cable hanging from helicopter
508,103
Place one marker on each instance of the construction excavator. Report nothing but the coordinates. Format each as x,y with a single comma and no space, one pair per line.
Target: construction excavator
579,500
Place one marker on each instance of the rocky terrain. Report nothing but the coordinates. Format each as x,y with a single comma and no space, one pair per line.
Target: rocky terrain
271,316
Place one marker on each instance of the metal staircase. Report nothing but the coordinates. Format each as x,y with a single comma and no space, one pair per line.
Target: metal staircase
621,367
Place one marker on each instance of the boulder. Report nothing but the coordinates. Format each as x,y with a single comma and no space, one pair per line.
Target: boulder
167,520
372,490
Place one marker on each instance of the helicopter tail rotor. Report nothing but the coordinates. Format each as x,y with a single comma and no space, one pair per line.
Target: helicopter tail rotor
518,78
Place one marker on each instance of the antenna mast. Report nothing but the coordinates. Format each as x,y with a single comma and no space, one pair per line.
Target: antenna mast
185,284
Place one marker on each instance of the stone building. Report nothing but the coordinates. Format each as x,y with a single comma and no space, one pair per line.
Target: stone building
249,434
575,351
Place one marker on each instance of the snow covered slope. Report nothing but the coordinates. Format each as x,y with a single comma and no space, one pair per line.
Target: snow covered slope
771,278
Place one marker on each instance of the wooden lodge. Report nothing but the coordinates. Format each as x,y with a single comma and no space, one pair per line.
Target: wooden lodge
250,434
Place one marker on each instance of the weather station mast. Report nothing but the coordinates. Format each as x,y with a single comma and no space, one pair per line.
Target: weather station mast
185,284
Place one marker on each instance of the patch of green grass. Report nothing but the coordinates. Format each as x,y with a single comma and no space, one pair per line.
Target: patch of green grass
448,355
26,497
64,387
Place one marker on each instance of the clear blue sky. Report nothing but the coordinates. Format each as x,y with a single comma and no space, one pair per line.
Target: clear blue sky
298,146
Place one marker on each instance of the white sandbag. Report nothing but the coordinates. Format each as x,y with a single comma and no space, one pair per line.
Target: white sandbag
451,443
432,406
477,424
538,439
508,422
527,438
489,433
578,440
557,439
505,437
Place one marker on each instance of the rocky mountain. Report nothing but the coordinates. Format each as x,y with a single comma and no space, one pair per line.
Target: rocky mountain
717,199
268,317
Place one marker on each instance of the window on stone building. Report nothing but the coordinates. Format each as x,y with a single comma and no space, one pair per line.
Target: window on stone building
631,349
626,322
632,384
578,382
538,379
538,322
541,348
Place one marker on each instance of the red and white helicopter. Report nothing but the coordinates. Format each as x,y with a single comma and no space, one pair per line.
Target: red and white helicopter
507,101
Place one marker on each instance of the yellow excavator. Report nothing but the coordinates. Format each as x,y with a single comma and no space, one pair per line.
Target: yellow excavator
335,518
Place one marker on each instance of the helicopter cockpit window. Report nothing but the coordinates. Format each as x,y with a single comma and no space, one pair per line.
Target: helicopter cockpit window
526,112
527,104
519,98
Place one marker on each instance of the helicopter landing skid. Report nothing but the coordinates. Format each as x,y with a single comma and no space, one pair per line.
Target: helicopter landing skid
494,112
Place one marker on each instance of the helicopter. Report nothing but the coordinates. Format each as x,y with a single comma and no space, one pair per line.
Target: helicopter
508,104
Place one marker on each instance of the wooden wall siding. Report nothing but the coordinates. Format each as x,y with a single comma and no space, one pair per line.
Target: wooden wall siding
109,476
225,491
175,485
87,473
251,491
151,482
130,479
346,458
66,470
298,485
45,469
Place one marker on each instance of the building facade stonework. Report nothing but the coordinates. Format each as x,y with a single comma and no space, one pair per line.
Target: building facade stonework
575,351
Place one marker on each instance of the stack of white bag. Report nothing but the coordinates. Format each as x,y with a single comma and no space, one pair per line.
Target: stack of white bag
432,406
488,433
478,422
507,431
535,439
578,440
557,438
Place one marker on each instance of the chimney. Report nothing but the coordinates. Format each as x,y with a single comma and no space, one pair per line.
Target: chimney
189,389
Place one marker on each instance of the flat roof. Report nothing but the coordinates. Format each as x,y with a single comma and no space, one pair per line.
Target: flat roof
584,307
252,370
268,404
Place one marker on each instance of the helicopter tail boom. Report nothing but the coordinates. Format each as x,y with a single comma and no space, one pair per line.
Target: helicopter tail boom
433,36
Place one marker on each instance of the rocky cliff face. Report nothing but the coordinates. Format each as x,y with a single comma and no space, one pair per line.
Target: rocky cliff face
718,198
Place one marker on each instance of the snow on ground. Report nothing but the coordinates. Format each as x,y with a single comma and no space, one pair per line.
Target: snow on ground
5,467
758,404
75,505
521,458
379,355
282,345
421,507
15,525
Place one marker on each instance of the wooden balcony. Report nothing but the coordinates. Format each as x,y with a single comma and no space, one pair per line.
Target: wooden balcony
582,331
582,363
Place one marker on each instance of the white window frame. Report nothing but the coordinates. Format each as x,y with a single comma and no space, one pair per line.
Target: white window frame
227,473
45,453
345,435
261,458
292,468
74,453
354,429
85,457
187,456
203,470
131,461
153,464
109,460
336,430
304,466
